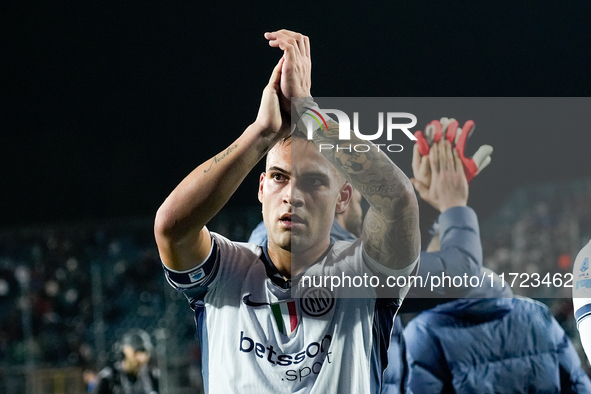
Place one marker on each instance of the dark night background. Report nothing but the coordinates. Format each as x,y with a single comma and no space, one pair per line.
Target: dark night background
106,106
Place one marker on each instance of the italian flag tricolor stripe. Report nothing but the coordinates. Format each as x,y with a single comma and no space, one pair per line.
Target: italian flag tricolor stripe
286,316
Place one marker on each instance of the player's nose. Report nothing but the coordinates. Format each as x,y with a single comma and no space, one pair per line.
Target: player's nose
293,196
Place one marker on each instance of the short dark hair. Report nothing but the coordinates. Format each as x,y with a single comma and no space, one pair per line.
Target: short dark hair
138,339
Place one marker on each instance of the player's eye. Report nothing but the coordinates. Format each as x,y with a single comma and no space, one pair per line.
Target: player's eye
314,182
279,177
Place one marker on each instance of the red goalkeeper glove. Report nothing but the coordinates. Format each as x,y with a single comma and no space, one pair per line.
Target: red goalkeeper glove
458,137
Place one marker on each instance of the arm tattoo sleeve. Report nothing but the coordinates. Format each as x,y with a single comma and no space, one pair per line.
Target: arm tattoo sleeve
391,226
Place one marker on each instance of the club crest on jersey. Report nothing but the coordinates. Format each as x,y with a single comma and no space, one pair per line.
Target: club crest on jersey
585,265
317,301
286,316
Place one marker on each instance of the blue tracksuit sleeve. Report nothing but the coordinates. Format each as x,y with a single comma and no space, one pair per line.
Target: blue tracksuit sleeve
460,254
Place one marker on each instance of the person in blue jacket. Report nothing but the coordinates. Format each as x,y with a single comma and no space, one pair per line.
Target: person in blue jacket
496,344
499,344
455,249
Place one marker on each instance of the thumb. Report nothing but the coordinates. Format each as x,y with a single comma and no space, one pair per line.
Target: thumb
276,74
420,187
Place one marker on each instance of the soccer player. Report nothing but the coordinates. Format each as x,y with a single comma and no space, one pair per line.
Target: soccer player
440,179
256,337
582,297
459,249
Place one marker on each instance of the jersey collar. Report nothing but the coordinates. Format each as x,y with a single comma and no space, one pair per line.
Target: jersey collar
273,272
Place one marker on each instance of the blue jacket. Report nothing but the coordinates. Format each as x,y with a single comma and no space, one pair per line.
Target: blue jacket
460,253
491,345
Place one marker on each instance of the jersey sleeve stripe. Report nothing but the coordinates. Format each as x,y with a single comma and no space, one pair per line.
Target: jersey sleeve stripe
201,275
582,312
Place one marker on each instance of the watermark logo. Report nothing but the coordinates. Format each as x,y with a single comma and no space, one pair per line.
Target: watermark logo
345,124
388,124
308,110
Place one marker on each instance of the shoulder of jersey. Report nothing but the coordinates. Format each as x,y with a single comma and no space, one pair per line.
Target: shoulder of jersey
582,261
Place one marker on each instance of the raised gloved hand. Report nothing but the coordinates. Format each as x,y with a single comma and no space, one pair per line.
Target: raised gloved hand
448,129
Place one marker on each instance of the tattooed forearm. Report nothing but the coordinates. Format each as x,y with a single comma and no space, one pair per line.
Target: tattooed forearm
378,189
363,169
370,172
393,242
390,229
221,157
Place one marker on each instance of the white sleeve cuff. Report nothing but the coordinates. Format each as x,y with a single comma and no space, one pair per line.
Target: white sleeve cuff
376,266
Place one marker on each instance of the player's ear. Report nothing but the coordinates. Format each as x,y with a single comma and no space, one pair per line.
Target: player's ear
261,182
344,198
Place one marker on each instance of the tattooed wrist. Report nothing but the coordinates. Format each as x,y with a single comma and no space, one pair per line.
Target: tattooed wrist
221,156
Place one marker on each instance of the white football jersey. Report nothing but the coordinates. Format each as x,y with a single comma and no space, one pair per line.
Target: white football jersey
257,338
582,297
582,284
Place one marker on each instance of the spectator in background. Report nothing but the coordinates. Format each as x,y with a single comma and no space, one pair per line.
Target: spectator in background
90,379
132,374
9,318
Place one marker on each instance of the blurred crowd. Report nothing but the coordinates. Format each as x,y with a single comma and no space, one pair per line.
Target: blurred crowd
48,314
68,292
540,230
